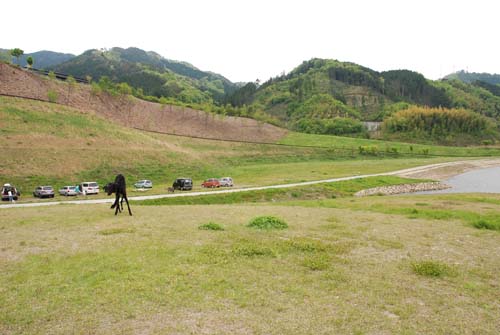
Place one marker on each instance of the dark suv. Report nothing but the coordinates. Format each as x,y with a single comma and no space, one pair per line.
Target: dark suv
183,184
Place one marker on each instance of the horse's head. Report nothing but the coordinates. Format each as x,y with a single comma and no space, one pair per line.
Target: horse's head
110,188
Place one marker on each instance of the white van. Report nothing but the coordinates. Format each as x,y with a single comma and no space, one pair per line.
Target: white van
89,187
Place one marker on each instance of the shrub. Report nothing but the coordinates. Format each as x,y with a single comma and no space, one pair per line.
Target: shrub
52,96
211,226
267,222
432,269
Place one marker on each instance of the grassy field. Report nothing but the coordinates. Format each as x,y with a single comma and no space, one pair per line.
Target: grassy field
48,144
377,265
387,147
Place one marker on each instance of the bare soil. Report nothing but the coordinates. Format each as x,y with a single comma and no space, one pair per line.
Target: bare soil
132,112
447,170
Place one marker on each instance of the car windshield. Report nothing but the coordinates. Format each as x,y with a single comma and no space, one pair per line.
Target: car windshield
47,188
93,184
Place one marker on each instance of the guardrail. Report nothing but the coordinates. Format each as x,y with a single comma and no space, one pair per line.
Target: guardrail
59,75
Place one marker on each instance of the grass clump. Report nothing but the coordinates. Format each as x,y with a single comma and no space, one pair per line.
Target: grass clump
267,222
432,269
253,250
485,223
317,263
210,226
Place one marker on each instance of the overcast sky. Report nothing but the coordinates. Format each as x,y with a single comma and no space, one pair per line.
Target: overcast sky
246,40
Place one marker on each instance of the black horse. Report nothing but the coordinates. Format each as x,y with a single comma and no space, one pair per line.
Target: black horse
120,189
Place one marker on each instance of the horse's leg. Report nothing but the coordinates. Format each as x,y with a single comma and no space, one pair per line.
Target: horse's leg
117,203
121,202
126,200
117,196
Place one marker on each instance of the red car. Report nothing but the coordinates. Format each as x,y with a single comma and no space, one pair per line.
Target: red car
212,182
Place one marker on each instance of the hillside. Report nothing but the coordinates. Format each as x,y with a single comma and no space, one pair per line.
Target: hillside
470,77
328,96
154,74
42,59
132,112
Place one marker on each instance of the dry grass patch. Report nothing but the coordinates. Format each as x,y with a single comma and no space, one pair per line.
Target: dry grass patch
61,276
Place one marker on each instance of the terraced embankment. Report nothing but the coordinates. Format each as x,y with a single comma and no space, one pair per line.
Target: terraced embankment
132,112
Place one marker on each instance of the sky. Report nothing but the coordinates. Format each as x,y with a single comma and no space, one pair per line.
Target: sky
249,40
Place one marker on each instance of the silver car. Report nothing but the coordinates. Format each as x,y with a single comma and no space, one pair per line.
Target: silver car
68,190
43,192
144,184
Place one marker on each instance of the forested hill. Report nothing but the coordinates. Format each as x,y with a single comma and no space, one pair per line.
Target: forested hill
42,59
155,75
470,77
322,90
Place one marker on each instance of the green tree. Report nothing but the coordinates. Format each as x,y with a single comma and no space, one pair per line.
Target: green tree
16,52
29,60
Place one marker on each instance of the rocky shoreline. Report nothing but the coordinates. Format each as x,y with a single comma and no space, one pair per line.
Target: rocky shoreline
403,188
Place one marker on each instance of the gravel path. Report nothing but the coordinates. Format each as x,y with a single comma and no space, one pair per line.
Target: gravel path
426,171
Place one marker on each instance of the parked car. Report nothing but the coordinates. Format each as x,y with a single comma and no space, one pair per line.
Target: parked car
5,192
144,184
183,184
211,182
43,192
89,187
226,182
68,190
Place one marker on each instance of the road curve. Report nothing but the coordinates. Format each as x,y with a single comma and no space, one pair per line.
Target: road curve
404,172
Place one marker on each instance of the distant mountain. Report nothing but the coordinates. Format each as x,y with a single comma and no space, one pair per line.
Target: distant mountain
470,77
149,71
42,59
326,93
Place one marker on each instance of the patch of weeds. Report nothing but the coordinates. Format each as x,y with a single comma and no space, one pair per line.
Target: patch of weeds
52,96
211,226
317,263
267,222
113,231
487,223
22,243
306,245
432,269
214,255
253,250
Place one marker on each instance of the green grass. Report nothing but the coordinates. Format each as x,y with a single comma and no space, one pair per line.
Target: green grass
267,222
432,269
341,269
481,217
113,231
210,226
318,191
386,147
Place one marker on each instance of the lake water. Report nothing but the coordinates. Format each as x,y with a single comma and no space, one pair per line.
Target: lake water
477,181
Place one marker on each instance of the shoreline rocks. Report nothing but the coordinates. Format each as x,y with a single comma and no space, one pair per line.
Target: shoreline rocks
403,188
